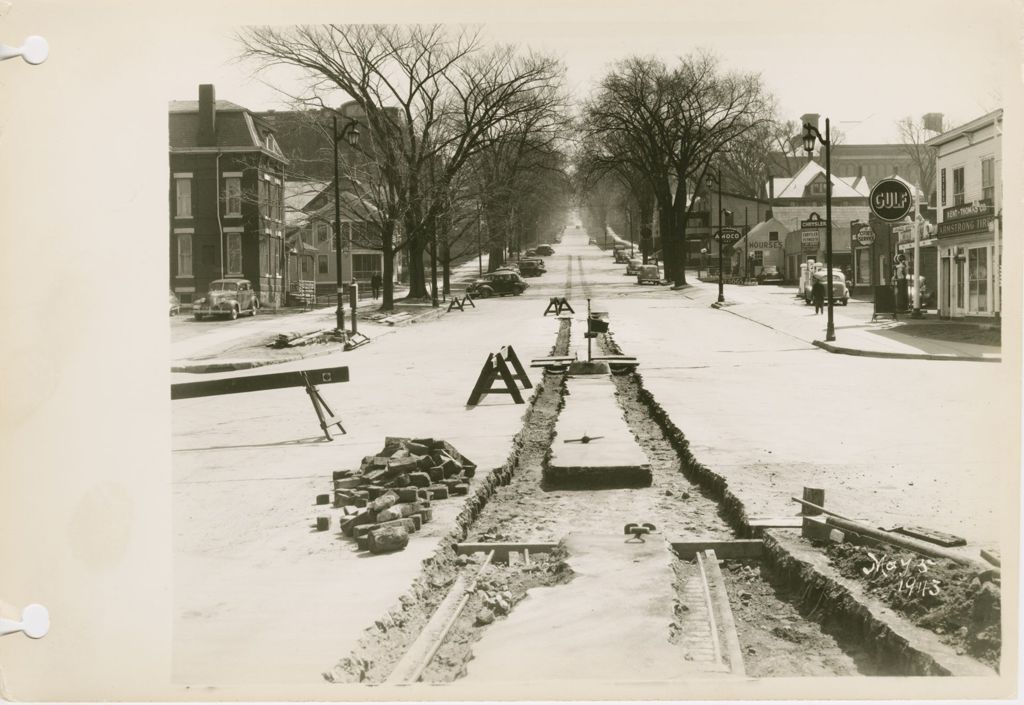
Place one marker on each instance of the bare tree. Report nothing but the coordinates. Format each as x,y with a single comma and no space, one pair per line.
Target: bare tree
432,98
913,135
670,124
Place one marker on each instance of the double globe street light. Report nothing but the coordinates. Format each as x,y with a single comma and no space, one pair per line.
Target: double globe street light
810,133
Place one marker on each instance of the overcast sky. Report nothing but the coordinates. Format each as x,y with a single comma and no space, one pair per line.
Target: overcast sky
864,66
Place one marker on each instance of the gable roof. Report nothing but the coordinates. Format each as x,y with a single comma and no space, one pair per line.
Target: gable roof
762,229
842,187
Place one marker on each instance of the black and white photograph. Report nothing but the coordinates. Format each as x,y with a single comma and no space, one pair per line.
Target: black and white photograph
667,351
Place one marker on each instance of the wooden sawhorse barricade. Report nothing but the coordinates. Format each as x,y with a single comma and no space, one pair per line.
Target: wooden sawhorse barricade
497,366
557,304
279,380
460,304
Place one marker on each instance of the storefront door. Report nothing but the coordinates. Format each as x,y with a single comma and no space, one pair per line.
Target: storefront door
958,287
947,287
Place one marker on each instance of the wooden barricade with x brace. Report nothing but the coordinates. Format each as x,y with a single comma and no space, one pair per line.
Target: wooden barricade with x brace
497,366
461,303
557,304
279,380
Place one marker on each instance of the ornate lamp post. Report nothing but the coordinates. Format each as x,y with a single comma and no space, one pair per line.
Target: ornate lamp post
716,178
810,132
350,133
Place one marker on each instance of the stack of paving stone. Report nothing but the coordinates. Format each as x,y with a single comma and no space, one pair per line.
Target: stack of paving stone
389,497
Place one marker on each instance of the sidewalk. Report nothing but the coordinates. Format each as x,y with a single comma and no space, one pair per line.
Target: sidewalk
780,309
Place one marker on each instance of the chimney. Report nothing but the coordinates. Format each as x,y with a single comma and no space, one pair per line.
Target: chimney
207,136
860,171
932,122
771,197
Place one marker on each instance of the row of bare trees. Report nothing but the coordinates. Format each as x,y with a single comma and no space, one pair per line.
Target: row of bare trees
454,129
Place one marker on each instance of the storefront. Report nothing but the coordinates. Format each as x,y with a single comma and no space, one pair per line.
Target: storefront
809,243
929,264
965,242
763,246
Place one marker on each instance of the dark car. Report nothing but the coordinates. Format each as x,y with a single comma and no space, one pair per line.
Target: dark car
497,283
531,252
769,275
227,297
532,267
545,250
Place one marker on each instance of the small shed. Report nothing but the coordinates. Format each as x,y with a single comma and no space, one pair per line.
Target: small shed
762,246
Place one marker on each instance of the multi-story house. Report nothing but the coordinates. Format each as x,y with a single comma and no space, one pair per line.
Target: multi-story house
968,233
226,199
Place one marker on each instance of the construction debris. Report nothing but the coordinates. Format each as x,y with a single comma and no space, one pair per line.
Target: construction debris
388,497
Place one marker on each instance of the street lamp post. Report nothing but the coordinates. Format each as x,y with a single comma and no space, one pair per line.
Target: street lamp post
717,179
810,132
351,133
479,248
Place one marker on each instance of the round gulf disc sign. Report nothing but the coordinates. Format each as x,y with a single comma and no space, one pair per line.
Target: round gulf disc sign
891,200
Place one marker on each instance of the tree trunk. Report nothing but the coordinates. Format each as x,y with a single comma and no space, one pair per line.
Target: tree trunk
388,273
446,262
665,229
646,216
495,258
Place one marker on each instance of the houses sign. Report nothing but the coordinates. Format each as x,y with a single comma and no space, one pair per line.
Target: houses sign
891,200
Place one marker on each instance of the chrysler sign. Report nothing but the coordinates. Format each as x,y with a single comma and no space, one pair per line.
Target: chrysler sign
891,200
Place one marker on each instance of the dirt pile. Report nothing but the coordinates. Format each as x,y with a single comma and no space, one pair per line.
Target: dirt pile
960,604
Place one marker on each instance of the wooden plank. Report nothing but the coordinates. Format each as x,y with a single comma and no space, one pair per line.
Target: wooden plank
732,639
715,645
940,538
739,548
257,383
501,550
992,556
412,664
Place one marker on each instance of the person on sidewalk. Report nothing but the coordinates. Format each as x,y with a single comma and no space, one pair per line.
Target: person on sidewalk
818,295
375,282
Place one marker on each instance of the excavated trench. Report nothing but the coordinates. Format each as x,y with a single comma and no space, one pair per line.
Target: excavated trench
780,631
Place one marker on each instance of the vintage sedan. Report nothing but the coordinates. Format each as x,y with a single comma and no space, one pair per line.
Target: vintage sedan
497,283
227,297
531,267
649,274
545,250
769,275
175,304
633,266
840,292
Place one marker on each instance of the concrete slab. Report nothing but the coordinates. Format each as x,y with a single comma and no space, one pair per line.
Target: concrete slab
614,458
610,623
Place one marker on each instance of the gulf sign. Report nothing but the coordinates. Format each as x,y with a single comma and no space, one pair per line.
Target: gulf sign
891,200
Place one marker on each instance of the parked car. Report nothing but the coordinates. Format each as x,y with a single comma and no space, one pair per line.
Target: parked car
622,256
227,297
649,274
175,304
509,267
532,267
840,292
633,266
545,250
769,275
497,283
532,252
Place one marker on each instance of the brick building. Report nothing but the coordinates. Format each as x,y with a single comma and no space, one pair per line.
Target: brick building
226,199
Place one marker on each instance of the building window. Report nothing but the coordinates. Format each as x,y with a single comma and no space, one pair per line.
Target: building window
322,265
988,180
977,273
185,255
758,256
773,236
183,195
306,274
323,234
958,186
275,256
817,188
363,266
359,234
233,196
234,253
265,257
264,198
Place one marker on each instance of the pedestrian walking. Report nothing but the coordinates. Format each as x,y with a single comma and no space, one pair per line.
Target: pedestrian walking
818,294
375,282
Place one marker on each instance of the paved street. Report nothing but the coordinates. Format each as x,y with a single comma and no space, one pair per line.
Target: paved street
758,403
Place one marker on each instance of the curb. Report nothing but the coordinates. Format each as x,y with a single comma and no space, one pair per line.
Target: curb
901,356
235,365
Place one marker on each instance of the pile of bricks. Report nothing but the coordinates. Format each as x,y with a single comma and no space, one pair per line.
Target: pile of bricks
389,497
